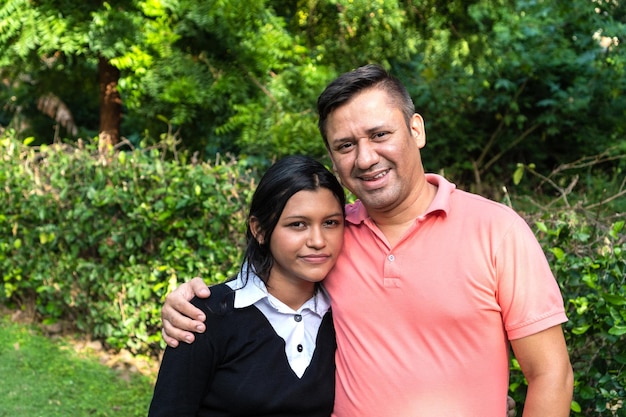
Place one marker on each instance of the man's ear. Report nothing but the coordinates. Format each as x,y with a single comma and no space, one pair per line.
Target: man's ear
418,131
255,228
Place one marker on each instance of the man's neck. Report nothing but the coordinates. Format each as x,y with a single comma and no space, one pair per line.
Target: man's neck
394,223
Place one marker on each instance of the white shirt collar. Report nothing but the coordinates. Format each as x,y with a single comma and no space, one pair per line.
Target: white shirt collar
254,290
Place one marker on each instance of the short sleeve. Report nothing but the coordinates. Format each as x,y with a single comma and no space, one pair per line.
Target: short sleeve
528,293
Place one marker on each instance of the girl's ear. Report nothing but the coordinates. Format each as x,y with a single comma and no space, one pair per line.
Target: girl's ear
255,228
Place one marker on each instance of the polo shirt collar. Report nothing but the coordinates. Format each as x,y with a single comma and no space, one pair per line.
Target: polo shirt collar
254,290
356,212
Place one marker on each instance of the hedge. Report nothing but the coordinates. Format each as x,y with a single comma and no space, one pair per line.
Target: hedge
101,240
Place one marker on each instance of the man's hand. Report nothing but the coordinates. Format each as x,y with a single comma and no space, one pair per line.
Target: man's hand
510,407
179,317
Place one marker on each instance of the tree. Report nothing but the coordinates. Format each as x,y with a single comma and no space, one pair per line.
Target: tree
48,46
499,82
269,60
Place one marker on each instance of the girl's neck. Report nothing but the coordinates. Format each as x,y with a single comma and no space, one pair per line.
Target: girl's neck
293,296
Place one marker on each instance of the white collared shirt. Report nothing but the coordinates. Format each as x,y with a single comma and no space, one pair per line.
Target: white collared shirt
298,328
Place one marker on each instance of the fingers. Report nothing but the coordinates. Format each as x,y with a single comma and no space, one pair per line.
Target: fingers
510,405
178,309
199,288
170,341
173,336
179,317
182,315
177,324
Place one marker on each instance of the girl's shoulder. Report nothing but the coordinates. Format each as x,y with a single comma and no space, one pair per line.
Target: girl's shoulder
220,302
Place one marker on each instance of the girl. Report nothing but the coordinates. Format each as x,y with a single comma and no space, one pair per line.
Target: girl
270,343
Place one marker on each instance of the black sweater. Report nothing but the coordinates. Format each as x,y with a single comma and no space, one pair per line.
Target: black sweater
238,367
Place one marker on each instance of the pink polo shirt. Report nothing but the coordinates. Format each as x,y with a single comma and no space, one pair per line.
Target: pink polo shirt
423,327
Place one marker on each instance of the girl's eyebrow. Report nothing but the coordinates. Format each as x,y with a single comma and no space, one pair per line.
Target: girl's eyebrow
300,216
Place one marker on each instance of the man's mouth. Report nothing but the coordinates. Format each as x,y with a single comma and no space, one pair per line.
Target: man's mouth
374,177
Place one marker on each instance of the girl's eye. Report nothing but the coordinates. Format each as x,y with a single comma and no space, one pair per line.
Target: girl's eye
332,223
297,225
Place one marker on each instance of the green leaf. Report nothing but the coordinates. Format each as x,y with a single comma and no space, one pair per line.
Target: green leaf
617,330
617,227
620,357
615,299
542,227
518,174
581,329
557,252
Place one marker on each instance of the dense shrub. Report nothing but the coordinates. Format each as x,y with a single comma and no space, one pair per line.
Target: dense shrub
100,240
590,264
589,261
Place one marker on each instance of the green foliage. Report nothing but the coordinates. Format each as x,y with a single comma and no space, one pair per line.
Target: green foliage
498,82
577,210
101,239
282,56
594,183
589,262
524,81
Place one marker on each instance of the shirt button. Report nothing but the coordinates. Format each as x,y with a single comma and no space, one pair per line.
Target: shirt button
300,348
297,318
391,258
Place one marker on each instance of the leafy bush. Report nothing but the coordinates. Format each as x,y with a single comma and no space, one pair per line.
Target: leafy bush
590,265
589,262
100,240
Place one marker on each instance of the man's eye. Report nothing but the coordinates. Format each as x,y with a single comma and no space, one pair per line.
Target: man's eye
344,146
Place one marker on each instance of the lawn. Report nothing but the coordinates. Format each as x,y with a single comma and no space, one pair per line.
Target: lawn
42,376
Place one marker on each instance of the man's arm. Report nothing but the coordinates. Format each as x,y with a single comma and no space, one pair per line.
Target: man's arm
179,317
545,363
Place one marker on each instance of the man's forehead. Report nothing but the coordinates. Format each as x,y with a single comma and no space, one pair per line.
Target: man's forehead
365,116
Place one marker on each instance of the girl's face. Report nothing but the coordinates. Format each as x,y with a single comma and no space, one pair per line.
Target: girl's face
307,239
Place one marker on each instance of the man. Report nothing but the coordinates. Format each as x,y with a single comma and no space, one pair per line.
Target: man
434,284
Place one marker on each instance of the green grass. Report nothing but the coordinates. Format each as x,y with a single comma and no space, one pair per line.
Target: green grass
43,377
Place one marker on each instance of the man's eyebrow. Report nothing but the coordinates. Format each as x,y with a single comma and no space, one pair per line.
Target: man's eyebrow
370,131
376,128
340,140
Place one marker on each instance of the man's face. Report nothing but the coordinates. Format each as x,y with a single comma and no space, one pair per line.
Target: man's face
373,151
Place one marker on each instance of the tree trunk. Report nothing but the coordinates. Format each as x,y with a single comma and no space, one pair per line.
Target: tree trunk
110,104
